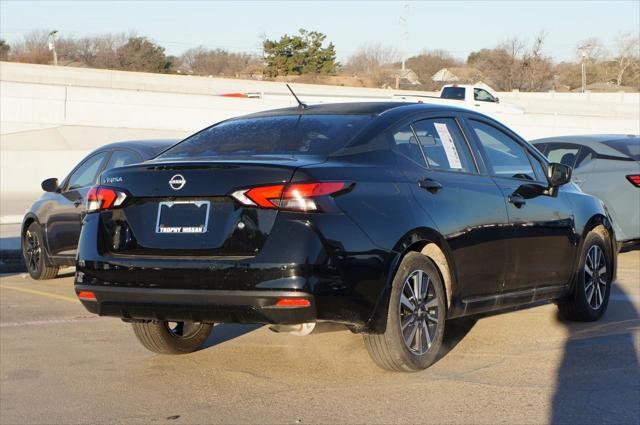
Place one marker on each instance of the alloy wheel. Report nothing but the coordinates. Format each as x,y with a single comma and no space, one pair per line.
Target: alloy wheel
32,251
595,277
419,313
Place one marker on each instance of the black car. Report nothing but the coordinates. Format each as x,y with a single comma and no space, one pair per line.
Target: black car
388,218
51,227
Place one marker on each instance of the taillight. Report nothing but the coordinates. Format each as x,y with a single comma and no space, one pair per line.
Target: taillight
634,179
292,197
102,198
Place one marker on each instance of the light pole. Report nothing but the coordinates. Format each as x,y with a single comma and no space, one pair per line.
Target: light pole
583,52
53,35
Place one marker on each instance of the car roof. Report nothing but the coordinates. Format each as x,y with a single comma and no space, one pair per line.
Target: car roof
353,108
586,139
597,142
146,148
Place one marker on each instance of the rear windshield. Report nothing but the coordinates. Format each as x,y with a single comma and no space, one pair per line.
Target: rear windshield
453,93
629,147
279,135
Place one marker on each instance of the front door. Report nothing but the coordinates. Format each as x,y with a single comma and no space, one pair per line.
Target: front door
542,243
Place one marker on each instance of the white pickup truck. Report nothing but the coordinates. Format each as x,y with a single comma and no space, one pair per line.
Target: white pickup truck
479,97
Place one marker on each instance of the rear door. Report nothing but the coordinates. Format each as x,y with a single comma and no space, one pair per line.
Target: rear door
466,206
64,220
542,237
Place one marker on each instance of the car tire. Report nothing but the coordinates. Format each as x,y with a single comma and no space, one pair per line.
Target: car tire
34,254
592,284
165,337
415,324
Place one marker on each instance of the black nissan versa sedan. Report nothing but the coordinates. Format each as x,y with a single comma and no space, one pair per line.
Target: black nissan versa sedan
51,228
389,218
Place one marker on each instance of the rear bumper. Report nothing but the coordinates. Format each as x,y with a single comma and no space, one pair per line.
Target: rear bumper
343,281
198,305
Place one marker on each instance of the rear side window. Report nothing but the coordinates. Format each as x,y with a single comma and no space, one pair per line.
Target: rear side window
629,147
456,93
87,173
444,145
407,145
278,135
122,158
506,156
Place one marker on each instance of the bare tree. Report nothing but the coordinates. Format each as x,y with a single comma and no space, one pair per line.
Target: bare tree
33,48
203,61
429,62
375,62
537,67
628,54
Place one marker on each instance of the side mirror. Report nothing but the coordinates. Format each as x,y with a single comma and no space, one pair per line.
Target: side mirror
558,174
497,99
50,185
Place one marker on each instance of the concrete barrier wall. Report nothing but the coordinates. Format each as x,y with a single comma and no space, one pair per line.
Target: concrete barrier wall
52,116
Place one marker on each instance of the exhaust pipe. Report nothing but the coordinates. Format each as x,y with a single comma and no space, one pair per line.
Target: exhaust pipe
302,329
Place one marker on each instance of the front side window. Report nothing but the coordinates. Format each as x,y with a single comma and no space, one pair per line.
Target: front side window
539,169
564,154
444,145
506,156
271,135
482,95
87,174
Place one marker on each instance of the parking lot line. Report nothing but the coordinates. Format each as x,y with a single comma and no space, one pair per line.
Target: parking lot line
41,293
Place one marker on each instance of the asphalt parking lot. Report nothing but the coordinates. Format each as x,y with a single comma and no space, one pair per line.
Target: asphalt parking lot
61,365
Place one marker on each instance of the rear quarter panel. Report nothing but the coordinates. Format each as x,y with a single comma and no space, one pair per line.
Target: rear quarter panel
608,183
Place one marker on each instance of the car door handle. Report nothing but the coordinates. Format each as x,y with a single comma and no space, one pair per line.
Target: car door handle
77,202
517,200
430,185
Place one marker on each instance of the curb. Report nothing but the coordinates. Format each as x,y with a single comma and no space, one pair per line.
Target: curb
11,261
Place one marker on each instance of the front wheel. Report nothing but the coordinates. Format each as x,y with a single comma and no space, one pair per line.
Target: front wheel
592,284
415,319
165,337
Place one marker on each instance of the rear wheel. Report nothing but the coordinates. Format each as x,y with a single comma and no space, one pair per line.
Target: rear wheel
165,337
592,285
415,319
34,255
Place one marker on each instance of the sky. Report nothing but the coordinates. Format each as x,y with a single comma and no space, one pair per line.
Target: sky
459,27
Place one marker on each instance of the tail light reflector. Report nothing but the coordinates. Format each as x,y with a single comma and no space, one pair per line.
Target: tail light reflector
293,302
87,296
634,179
102,198
293,196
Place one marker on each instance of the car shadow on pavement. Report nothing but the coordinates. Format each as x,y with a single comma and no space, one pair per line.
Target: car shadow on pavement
598,380
224,332
455,330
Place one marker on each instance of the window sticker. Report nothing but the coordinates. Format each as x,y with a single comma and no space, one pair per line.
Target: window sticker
449,147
